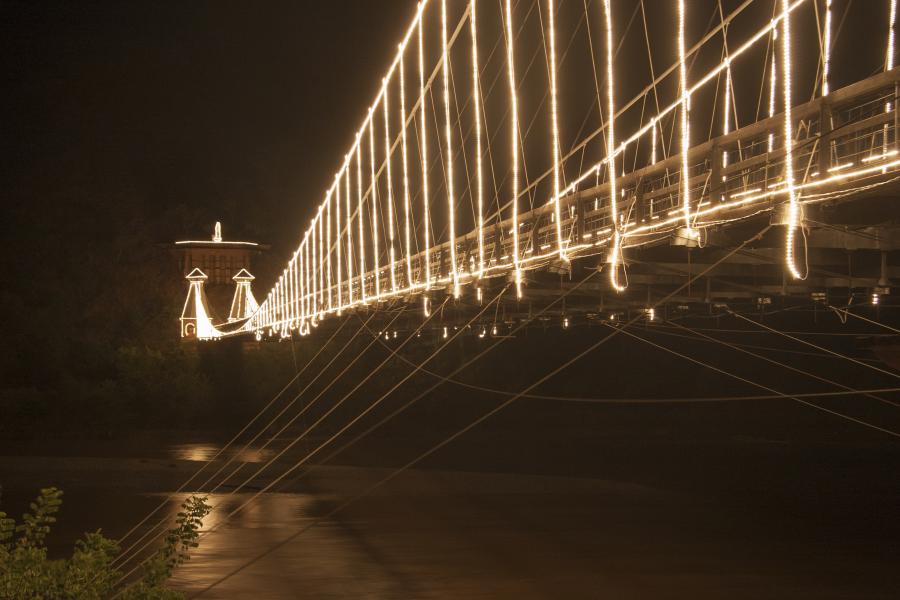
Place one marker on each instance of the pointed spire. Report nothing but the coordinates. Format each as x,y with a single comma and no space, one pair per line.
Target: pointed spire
197,275
243,275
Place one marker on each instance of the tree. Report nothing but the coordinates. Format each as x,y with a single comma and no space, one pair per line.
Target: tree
26,571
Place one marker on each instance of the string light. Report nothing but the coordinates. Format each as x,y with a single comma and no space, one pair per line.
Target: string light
772,81
321,265
726,125
610,152
826,66
390,187
451,204
424,152
409,280
337,250
889,61
359,202
685,123
315,270
653,141
888,65
304,280
328,247
514,115
281,304
374,211
710,75
349,238
293,312
555,126
794,205
476,97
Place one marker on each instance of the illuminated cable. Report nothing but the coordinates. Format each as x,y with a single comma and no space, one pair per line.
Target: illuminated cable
514,142
889,59
451,205
653,142
321,264
425,198
685,122
328,248
772,84
794,204
374,210
476,107
826,49
349,237
726,121
303,312
610,152
409,280
390,186
314,271
359,209
337,248
554,118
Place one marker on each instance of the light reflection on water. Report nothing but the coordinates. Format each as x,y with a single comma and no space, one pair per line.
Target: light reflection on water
322,563
205,452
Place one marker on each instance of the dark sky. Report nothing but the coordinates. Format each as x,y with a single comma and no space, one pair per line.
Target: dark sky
239,111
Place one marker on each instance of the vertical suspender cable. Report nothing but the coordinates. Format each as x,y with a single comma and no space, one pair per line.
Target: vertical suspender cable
514,142
451,203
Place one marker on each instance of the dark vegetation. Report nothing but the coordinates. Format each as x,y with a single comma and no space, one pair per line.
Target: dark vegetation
26,570
90,341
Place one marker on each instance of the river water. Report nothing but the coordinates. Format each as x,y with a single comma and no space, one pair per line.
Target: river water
682,527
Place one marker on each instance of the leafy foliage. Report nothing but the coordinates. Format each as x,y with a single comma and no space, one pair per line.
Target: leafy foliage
26,571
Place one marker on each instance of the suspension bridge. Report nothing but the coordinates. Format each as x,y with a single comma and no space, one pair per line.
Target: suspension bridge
437,196
516,167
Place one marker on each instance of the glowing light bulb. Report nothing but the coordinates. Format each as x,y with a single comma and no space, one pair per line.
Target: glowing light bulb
514,142
445,333
476,97
554,122
451,202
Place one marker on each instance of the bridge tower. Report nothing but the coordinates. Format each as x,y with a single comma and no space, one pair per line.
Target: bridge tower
243,304
195,321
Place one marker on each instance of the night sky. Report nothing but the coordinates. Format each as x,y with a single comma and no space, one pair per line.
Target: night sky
223,110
